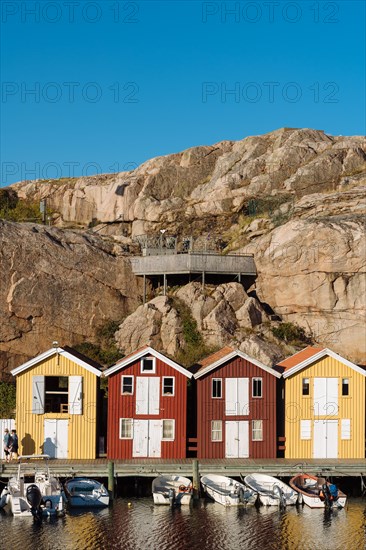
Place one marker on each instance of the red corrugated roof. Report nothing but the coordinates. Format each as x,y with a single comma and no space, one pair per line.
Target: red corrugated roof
300,356
211,359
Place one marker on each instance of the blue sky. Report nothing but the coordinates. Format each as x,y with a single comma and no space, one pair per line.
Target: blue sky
116,83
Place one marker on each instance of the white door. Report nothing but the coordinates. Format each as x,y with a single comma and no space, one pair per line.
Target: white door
147,395
147,438
237,439
236,396
56,438
325,442
155,433
325,396
140,438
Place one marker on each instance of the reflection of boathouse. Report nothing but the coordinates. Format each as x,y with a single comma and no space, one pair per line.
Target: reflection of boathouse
166,259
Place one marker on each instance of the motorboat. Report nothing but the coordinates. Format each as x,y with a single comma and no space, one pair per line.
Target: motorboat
271,491
83,491
317,492
34,491
172,490
227,491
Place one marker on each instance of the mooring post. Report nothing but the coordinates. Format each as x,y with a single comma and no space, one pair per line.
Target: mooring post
164,284
196,479
144,291
111,478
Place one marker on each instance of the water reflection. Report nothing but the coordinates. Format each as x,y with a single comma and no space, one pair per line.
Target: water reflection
205,525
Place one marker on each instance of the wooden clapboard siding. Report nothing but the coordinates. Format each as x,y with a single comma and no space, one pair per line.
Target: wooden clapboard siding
298,407
209,409
81,428
124,406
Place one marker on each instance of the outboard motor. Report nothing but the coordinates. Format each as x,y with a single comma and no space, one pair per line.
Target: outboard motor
171,497
328,500
34,498
241,495
4,499
280,495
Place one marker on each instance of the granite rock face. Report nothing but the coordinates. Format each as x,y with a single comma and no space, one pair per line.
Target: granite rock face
58,285
295,198
205,182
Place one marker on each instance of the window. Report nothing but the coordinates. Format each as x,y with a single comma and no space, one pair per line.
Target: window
125,428
56,394
305,386
345,386
168,385
346,428
168,430
216,387
148,364
257,387
216,430
127,385
257,430
305,429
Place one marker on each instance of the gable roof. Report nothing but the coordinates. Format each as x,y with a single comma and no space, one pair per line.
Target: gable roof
225,354
302,361
69,353
141,352
300,356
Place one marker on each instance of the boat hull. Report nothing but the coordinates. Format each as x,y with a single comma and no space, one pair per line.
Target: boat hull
224,490
86,493
184,499
170,489
308,488
267,488
316,502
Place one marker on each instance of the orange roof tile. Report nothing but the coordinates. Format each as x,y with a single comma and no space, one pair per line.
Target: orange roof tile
300,356
211,359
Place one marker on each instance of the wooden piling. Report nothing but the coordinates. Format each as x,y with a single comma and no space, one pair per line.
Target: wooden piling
111,479
196,479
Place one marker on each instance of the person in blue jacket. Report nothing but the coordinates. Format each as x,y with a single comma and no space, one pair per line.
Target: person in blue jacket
7,444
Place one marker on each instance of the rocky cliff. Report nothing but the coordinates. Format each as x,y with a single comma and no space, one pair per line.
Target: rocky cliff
58,285
293,197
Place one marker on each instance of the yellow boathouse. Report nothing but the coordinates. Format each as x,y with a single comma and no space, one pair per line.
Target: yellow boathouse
56,404
324,405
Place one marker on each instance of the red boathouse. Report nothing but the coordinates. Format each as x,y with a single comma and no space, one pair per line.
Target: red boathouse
236,407
147,406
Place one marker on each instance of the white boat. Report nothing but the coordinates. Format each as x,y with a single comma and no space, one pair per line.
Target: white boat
271,491
34,491
170,489
82,491
316,492
227,491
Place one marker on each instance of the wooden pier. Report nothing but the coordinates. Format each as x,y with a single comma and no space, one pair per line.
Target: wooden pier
104,468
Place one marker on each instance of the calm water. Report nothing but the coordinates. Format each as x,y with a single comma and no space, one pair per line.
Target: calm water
206,525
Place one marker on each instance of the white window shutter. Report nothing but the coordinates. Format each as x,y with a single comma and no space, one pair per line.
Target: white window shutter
154,395
346,428
231,396
305,429
243,396
38,395
75,394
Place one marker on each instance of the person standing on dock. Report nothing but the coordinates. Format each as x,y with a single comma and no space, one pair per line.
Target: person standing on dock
14,445
7,444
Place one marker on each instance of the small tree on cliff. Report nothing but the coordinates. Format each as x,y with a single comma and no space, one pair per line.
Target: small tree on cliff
7,400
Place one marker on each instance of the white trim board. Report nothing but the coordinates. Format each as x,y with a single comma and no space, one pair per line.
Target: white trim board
138,355
322,353
50,353
231,355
